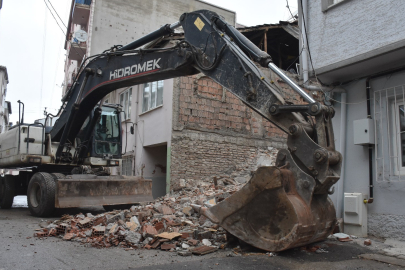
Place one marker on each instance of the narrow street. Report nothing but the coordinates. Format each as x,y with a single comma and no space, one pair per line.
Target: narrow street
20,250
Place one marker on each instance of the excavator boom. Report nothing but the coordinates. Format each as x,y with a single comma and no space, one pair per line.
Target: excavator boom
282,206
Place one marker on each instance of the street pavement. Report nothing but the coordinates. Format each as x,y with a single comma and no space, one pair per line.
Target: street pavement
20,250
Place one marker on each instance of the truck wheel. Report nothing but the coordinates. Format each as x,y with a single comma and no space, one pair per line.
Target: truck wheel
58,175
41,194
7,188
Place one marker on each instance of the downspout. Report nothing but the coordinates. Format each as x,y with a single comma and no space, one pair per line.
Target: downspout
304,55
135,131
342,135
370,146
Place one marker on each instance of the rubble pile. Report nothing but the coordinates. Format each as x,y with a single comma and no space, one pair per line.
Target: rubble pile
169,223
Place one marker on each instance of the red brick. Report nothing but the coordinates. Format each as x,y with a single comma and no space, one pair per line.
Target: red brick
166,246
149,230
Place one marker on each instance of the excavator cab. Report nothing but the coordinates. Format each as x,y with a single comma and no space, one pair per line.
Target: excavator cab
105,141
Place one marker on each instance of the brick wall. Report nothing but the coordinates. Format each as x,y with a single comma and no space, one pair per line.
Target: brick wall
202,157
216,134
204,105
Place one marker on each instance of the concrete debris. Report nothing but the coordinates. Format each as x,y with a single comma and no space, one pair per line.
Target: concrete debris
206,242
342,237
184,253
169,223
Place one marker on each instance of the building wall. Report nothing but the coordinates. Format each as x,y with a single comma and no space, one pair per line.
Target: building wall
3,106
386,215
216,135
353,28
118,22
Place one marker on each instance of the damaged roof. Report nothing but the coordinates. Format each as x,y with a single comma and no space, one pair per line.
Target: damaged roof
280,41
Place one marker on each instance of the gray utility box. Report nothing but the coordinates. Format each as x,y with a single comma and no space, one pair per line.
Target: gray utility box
363,131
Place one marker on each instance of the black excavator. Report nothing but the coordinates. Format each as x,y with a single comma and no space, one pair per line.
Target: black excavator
281,207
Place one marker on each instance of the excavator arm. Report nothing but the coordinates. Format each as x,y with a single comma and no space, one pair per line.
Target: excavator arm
282,206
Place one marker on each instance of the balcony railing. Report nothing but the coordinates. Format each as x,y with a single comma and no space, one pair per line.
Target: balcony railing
83,2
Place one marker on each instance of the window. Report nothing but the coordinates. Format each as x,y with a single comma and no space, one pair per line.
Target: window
107,136
125,102
152,95
389,125
126,167
399,134
326,4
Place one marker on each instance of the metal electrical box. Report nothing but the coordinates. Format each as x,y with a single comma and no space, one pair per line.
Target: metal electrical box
363,131
355,214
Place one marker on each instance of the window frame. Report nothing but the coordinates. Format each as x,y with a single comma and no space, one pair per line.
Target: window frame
399,169
328,4
127,103
155,105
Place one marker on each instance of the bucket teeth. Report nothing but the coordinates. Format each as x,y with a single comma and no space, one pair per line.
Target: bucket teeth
205,212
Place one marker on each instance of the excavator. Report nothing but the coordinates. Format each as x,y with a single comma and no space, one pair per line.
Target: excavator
66,164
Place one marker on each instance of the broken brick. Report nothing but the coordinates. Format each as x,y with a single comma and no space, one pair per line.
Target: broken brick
165,210
52,232
100,220
203,250
160,227
149,230
61,228
98,230
68,236
166,246
185,235
85,223
193,242
155,244
367,242
40,234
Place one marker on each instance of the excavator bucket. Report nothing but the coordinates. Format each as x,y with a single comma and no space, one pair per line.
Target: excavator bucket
91,190
269,213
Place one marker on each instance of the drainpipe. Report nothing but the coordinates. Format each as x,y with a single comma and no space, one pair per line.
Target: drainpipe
304,55
370,146
342,135
135,131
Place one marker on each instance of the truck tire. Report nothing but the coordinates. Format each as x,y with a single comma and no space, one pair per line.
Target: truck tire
7,190
58,175
41,194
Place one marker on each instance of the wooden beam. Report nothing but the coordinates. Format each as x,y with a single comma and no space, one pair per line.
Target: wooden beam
265,41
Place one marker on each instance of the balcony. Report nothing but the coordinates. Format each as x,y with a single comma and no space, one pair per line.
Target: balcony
76,50
81,12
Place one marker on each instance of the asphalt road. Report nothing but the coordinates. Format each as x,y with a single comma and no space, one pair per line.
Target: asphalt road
20,250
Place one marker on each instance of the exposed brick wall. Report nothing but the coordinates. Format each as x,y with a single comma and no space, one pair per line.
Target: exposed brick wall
204,105
200,158
216,134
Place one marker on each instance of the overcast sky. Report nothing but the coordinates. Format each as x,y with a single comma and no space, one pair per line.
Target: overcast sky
31,46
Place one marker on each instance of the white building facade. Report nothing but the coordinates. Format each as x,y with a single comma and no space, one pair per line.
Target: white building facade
5,106
358,49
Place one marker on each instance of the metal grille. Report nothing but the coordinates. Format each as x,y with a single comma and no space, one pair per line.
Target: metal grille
127,165
389,120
